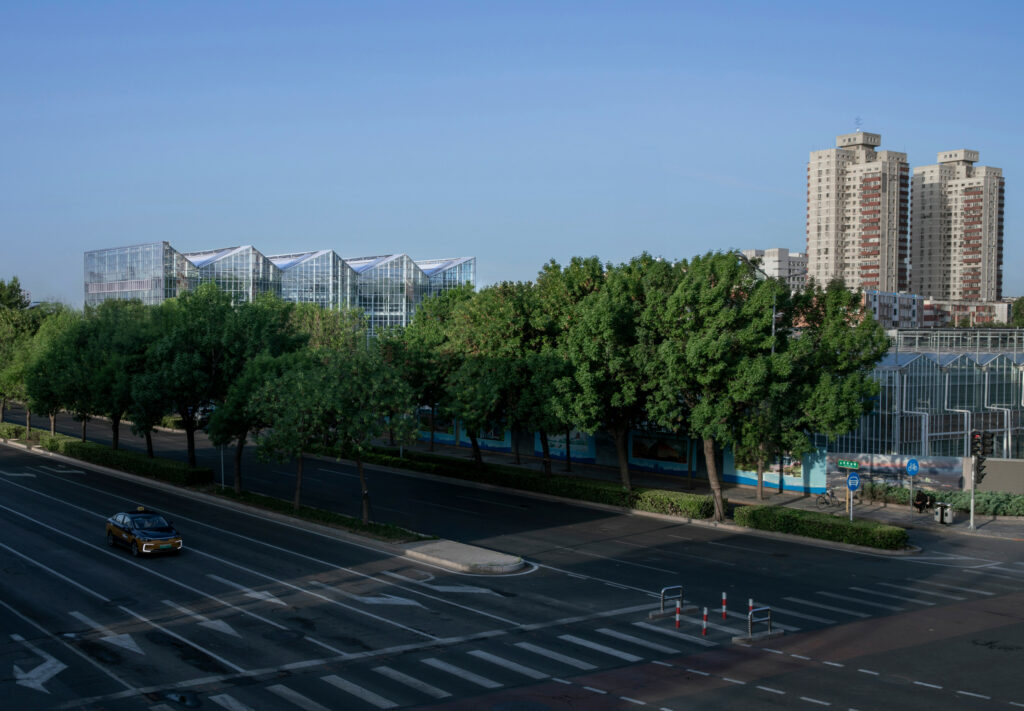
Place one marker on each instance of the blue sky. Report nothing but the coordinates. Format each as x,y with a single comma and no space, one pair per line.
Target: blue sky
516,132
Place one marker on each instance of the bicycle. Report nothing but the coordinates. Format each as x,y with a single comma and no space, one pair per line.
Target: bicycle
829,499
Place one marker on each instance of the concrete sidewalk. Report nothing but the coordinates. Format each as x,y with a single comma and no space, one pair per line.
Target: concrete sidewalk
1008,527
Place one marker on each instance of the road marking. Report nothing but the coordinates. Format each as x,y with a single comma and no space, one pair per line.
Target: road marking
661,663
462,673
296,698
449,508
801,615
859,601
800,656
61,470
229,702
833,664
248,592
930,686
22,474
674,633
124,641
557,656
951,587
495,503
638,702
923,592
699,672
217,625
596,691
332,471
815,701
616,585
770,690
382,599
734,681
412,682
359,692
742,615
637,641
600,648
868,671
469,589
971,693
827,607
178,637
615,560
893,597
508,664
37,676
773,651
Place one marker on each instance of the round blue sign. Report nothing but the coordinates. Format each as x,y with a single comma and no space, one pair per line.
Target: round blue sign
853,481
912,467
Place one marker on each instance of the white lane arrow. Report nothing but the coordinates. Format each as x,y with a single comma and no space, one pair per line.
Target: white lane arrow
441,588
382,599
37,676
256,594
216,625
124,641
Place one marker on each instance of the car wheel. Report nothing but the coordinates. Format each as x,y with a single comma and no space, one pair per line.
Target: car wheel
110,539
135,548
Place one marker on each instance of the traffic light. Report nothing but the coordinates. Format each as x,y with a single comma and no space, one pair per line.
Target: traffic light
986,443
979,469
976,443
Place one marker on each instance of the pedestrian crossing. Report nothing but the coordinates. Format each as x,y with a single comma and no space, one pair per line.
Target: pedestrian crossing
550,654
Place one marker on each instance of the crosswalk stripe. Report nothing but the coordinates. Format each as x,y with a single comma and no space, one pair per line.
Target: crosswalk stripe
843,610
894,597
951,587
508,664
801,615
676,633
296,698
637,641
742,616
412,682
859,601
600,648
229,702
359,692
923,592
462,673
557,656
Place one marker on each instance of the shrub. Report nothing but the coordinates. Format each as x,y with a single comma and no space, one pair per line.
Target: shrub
820,525
132,462
11,431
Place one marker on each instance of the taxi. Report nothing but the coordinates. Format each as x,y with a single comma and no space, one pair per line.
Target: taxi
143,531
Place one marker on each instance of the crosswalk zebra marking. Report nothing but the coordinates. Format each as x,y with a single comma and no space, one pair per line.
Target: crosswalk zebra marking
859,601
359,692
557,656
600,648
462,673
893,597
637,641
411,682
229,702
843,610
923,592
304,703
508,664
675,633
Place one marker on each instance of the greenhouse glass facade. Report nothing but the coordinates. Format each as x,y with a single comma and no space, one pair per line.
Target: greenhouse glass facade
445,274
321,278
390,289
148,272
931,399
242,272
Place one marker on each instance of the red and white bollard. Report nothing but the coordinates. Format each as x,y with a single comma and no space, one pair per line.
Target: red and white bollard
750,606
704,627
677,614
723,605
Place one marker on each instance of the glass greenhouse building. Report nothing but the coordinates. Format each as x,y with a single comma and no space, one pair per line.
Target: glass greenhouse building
388,288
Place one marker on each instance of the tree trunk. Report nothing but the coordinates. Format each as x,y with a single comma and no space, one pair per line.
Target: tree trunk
366,491
477,456
298,485
546,449
149,443
238,463
115,431
53,424
568,455
3,406
713,480
190,440
691,460
782,486
28,422
515,446
84,420
391,436
622,450
760,478
433,427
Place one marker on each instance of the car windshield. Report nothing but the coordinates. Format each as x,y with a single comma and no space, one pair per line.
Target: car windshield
150,522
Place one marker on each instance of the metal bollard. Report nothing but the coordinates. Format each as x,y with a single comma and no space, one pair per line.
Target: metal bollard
677,614
704,628
723,605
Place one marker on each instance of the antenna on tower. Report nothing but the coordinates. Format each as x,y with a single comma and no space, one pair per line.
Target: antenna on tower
856,122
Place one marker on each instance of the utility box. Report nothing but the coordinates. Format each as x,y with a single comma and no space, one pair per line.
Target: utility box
944,513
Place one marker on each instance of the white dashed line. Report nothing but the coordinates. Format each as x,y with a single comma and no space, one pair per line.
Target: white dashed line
664,664
697,671
868,671
977,696
930,686
561,681
773,651
734,681
800,656
638,702
815,701
770,690
833,664
596,691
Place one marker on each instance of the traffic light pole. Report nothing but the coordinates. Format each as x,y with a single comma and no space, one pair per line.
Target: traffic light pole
974,485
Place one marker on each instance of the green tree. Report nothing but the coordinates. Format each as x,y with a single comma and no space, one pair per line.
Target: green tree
53,369
335,329
12,296
1017,313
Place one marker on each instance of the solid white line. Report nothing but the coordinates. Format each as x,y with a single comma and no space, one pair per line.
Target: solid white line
637,641
508,664
558,657
229,702
827,607
359,692
596,691
859,601
600,648
296,698
333,471
930,686
923,592
977,696
676,633
412,682
616,585
461,673
892,597
802,615
951,587
51,571
770,690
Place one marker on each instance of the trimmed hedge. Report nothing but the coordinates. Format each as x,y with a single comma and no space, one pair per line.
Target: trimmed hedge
821,525
11,431
675,503
382,531
986,503
167,470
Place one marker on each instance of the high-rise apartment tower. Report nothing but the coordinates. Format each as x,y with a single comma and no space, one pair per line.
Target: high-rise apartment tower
956,244
857,214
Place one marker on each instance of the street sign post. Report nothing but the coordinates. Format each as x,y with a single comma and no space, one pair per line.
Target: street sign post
852,484
847,464
912,467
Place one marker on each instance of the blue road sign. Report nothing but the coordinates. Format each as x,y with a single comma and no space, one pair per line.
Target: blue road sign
912,467
853,481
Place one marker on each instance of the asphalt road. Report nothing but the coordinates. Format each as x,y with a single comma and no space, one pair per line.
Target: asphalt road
261,615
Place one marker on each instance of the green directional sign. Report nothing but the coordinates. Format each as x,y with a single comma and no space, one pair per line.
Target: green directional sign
847,464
